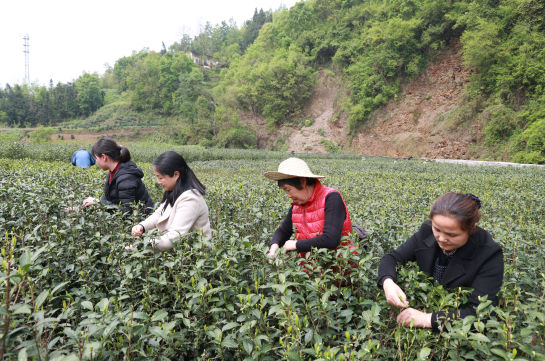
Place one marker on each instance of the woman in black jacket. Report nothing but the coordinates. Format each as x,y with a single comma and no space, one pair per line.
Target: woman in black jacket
123,184
455,251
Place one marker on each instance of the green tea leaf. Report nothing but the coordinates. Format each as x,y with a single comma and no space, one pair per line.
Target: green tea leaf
25,259
159,315
108,330
229,326
22,355
23,308
88,305
41,299
308,336
229,343
248,346
58,287
424,353
479,337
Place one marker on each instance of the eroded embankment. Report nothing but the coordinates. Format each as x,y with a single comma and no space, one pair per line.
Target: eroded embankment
417,122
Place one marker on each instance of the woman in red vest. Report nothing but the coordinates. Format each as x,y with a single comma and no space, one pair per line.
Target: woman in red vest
318,213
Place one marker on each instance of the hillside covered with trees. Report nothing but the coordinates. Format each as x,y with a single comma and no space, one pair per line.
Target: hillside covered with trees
267,68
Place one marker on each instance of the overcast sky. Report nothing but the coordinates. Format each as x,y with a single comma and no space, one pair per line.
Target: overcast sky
68,37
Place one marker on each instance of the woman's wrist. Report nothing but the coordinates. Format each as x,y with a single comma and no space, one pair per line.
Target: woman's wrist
427,320
290,245
385,281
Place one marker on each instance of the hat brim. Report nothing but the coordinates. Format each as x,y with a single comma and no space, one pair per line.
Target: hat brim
276,176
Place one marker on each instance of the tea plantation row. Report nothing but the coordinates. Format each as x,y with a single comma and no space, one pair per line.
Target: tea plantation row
71,292
142,153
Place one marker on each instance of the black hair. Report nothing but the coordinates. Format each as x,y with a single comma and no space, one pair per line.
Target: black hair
464,208
109,147
167,164
296,182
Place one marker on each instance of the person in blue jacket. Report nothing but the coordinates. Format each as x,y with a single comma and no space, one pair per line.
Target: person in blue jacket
83,158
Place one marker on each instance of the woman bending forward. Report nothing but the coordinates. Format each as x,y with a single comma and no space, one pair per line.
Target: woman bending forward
123,185
318,213
455,251
182,209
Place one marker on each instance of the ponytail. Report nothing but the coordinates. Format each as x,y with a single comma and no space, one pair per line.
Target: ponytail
124,154
109,147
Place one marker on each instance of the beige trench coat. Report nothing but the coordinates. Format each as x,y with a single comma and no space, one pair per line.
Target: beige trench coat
189,213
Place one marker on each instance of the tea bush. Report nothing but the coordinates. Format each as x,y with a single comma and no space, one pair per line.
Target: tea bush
71,292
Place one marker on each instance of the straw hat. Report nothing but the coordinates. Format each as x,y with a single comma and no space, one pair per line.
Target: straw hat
292,168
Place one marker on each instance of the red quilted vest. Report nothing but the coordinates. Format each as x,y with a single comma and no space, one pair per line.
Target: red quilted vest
309,218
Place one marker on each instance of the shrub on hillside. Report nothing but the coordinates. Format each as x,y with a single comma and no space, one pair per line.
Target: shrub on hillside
236,138
42,135
531,144
502,124
275,84
330,146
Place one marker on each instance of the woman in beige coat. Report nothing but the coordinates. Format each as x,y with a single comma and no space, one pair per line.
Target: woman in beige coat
182,209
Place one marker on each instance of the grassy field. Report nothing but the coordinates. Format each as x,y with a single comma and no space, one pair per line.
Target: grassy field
70,292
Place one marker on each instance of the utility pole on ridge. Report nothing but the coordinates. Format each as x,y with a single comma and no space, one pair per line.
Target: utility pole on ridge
27,52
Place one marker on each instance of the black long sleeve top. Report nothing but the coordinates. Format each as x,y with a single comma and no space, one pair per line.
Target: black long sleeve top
477,264
126,186
333,225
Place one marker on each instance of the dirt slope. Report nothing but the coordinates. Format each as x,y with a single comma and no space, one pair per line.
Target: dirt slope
320,108
415,124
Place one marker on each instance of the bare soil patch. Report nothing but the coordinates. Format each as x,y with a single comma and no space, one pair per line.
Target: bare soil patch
415,124
82,136
321,108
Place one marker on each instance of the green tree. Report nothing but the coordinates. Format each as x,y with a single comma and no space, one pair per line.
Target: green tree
107,79
125,67
16,104
154,80
89,96
190,87
252,27
4,118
